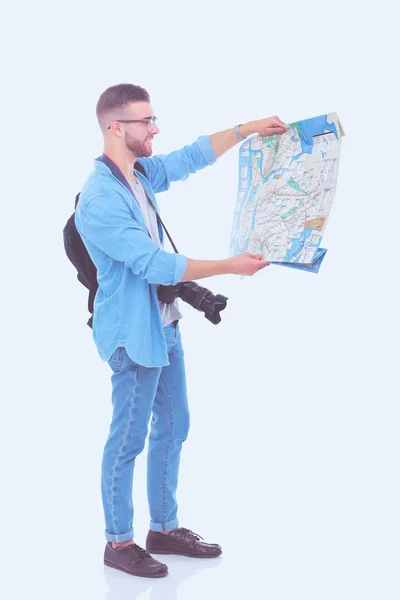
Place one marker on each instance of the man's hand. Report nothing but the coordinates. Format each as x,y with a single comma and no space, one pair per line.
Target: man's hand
224,140
264,127
246,264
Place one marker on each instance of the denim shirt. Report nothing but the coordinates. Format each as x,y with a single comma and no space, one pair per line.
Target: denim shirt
129,264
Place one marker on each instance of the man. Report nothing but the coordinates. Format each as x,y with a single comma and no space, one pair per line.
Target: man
136,333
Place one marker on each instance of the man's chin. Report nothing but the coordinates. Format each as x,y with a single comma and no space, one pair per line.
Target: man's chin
147,150
144,154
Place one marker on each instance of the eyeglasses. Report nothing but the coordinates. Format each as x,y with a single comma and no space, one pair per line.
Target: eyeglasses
149,121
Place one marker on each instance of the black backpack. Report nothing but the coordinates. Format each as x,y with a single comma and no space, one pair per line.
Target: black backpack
76,249
79,256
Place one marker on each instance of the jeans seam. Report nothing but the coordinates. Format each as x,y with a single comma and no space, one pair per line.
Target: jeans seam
167,449
175,340
127,428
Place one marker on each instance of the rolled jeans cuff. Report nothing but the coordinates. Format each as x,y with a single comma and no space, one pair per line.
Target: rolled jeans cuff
169,526
119,537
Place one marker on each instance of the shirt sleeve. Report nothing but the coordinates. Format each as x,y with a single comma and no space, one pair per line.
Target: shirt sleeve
162,169
109,225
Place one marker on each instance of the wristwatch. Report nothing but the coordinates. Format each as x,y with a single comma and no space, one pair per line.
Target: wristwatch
238,134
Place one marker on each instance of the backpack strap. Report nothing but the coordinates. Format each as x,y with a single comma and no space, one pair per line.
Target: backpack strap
139,167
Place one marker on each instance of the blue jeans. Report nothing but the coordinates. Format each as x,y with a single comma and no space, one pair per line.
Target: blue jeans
139,393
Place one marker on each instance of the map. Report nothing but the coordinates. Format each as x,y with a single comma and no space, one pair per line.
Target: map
287,184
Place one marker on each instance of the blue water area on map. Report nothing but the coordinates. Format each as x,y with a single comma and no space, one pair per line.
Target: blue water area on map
269,176
279,172
297,245
310,127
316,252
294,158
244,160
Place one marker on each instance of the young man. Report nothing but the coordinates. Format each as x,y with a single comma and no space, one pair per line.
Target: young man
136,333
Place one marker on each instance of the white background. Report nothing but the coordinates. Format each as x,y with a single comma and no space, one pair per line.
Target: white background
292,459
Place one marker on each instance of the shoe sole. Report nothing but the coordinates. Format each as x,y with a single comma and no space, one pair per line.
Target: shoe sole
161,574
184,554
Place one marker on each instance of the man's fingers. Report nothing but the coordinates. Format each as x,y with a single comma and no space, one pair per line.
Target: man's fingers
278,123
257,256
261,258
274,130
263,263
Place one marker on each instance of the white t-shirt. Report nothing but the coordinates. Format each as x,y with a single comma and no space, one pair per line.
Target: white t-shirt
169,312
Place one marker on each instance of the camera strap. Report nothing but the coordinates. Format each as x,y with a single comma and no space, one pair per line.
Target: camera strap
161,221
166,230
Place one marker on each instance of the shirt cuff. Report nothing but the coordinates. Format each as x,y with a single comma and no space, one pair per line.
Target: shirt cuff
206,149
180,268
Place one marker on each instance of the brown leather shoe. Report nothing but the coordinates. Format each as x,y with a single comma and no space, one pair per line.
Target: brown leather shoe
133,560
181,541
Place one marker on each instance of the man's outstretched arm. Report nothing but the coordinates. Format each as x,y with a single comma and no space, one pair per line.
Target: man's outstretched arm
241,264
163,169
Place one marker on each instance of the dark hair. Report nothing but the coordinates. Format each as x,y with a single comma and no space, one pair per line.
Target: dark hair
117,97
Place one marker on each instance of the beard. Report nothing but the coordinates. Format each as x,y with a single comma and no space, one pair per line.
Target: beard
138,147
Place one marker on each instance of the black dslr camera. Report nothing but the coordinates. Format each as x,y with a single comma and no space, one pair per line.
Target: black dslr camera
199,297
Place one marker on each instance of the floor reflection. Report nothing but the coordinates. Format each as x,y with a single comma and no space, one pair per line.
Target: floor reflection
127,587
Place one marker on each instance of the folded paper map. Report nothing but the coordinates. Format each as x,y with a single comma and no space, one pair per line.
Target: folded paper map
286,189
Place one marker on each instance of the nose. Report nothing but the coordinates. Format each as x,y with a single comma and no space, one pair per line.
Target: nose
154,129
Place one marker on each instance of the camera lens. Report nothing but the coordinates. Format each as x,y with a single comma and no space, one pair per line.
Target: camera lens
197,296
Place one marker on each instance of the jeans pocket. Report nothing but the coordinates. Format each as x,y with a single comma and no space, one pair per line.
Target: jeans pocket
115,361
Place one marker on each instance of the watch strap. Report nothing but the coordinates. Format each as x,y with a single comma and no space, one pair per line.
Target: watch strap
238,134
